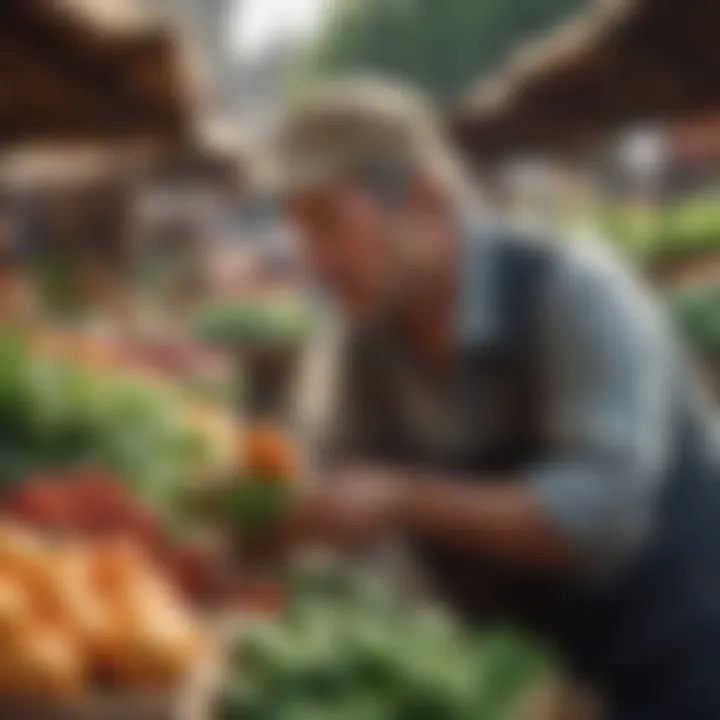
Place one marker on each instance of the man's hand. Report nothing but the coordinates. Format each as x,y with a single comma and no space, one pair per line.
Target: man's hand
346,511
358,505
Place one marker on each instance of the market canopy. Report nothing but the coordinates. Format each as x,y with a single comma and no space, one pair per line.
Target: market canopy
81,70
623,62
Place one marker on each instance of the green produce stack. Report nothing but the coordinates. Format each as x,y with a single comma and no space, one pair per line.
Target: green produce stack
265,332
345,647
273,322
56,413
697,314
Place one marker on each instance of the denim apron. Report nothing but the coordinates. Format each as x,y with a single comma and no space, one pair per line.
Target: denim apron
648,639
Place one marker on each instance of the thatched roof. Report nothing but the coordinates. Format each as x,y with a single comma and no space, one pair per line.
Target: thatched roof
73,71
623,62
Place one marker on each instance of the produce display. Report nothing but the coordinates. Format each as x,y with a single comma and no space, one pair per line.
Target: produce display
64,405
697,314
92,505
345,647
98,465
268,321
79,616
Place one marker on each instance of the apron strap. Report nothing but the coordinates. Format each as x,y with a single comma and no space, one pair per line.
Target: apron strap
516,354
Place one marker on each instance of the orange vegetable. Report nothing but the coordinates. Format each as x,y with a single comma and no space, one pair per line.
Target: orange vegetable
69,610
115,564
156,643
69,599
22,555
267,451
46,662
15,613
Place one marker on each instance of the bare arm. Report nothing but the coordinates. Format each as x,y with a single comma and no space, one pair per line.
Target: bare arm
498,519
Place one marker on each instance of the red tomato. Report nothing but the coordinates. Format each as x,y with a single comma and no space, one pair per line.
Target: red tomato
42,503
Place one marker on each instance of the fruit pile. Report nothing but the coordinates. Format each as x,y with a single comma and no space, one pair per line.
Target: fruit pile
92,505
75,616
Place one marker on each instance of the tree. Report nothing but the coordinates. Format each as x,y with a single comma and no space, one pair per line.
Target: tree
442,46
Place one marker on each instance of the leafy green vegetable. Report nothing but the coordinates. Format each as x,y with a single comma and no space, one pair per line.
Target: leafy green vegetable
254,322
697,314
55,413
248,507
346,647
688,226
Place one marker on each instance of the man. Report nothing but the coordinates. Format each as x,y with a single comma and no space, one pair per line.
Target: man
515,407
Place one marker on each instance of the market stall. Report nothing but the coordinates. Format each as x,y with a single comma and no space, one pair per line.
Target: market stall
101,587
185,203
91,91
622,63
131,515
72,71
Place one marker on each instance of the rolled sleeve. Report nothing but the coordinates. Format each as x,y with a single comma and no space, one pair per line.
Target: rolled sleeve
608,367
